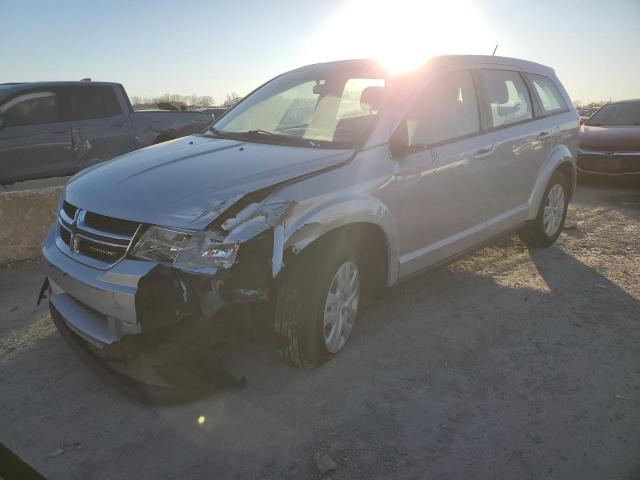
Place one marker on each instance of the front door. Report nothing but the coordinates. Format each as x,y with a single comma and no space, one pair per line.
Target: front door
444,179
34,141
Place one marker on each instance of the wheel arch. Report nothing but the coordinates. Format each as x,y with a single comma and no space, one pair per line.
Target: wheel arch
352,219
560,159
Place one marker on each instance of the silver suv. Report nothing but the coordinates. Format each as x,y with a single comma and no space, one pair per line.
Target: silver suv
325,185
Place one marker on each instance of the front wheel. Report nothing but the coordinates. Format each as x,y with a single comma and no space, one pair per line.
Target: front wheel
317,306
546,228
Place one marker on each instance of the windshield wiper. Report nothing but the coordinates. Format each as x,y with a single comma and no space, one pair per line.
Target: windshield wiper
216,132
262,132
279,137
248,134
274,137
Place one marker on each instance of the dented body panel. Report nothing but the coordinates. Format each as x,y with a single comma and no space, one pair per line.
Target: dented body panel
196,176
270,202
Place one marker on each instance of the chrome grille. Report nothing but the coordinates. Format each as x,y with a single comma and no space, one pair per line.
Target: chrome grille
94,239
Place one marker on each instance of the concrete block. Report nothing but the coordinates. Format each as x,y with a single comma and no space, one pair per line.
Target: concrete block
25,217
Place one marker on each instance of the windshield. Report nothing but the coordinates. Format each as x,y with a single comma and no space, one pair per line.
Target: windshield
617,114
312,109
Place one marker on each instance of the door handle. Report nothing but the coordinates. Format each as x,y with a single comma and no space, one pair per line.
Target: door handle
485,152
543,135
58,132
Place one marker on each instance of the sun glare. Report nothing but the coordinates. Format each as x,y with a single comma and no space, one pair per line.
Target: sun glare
402,34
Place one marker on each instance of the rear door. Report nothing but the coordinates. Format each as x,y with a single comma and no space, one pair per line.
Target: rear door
100,129
521,144
34,141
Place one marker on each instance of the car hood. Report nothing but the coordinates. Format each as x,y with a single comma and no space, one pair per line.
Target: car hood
190,181
610,138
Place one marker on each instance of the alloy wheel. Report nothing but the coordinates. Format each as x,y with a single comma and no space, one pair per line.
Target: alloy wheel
553,210
341,306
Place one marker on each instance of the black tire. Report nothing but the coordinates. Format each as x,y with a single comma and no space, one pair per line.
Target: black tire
534,234
300,302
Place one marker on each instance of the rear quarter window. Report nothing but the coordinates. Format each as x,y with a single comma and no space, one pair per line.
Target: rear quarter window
551,100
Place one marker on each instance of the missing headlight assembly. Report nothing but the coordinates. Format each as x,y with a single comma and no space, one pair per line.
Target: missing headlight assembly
198,252
211,250
233,261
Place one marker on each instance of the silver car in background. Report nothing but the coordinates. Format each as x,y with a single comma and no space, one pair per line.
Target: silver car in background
322,187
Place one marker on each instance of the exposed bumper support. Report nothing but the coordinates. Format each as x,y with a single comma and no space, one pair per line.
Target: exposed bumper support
102,306
93,327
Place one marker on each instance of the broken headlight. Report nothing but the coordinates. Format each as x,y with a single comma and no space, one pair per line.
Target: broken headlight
196,251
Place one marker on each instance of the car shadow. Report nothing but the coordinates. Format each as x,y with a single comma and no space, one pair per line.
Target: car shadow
582,286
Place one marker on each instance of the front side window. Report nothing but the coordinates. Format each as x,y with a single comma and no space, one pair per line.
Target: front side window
31,108
447,110
617,115
507,96
308,109
550,97
89,102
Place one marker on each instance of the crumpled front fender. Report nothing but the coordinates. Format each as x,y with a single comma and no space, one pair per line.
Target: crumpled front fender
304,227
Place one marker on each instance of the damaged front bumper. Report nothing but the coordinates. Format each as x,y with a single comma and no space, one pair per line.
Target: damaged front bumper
130,298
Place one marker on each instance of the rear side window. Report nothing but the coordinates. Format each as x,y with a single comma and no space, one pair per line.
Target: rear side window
31,108
447,110
85,103
550,97
508,97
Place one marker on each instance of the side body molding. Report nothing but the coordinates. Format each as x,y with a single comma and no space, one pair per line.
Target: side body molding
558,156
306,226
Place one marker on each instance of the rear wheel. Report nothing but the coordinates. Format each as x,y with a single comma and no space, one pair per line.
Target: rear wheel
546,228
317,305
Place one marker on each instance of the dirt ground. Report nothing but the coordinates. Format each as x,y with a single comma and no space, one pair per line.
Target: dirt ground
507,364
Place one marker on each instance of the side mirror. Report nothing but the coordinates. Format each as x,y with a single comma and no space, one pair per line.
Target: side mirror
399,141
320,89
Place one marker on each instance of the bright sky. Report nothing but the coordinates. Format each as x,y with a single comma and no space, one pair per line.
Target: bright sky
215,47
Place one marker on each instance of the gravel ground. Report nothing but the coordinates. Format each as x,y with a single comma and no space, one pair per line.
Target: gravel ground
507,364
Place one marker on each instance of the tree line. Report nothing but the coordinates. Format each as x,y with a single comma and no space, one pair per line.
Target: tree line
581,104
179,101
